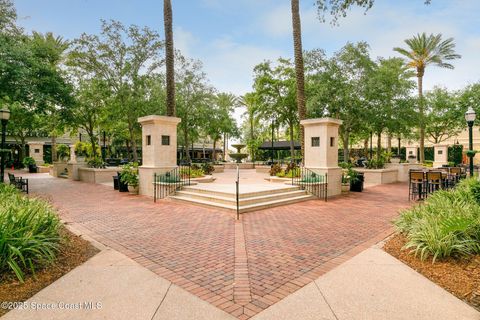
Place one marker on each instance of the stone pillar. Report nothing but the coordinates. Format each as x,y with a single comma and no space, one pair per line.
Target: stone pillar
74,164
159,149
440,155
411,151
321,151
73,156
36,152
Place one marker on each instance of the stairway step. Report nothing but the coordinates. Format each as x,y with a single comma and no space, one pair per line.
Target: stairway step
225,194
245,208
243,201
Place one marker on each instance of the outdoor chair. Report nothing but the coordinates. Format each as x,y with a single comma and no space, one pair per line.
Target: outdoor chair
19,183
417,185
456,174
434,181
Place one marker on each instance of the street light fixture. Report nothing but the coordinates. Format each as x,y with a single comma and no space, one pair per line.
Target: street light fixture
470,116
4,117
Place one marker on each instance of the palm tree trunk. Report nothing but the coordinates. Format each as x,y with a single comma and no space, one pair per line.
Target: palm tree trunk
214,151
346,151
389,143
421,116
169,57
54,148
292,145
299,69
379,145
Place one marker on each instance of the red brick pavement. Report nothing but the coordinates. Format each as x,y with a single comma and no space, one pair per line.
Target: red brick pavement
241,267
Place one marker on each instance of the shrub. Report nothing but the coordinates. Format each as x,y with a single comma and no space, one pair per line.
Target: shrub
293,173
208,168
129,174
193,172
376,164
281,174
96,163
29,233
447,224
81,149
63,152
28,161
428,163
276,168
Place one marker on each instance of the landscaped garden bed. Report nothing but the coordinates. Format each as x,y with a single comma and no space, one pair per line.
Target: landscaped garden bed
35,248
440,238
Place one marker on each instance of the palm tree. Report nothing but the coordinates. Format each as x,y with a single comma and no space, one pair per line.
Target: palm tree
299,69
169,57
422,51
249,101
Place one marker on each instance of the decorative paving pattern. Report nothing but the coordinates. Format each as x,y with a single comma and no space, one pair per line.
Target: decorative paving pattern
242,267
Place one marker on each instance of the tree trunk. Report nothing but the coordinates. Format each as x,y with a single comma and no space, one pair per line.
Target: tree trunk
365,147
292,145
299,69
214,151
54,148
346,151
399,145
379,145
389,143
422,116
224,146
185,139
169,57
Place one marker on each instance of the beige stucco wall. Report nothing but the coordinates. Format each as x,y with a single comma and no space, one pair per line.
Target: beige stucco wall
92,175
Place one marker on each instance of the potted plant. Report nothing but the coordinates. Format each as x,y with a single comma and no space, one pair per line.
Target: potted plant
63,152
30,163
81,151
356,181
129,175
345,181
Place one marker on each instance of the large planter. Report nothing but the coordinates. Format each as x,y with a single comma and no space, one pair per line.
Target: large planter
32,168
395,160
93,175
345,187
133,190
58,169
219,168
357,184
375,177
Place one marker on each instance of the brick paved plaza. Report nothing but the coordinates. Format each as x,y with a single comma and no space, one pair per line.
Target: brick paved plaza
242,267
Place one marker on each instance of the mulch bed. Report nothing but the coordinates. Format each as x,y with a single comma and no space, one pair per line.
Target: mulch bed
459,276
73,252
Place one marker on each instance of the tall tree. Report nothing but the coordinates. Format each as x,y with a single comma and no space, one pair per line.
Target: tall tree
122,57
299,69
424,50
169,57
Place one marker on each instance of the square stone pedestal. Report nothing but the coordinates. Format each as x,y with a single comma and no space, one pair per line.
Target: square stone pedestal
159,149
36,152
411,154
321,151
440,155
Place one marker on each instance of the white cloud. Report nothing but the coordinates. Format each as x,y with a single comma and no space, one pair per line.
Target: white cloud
184,41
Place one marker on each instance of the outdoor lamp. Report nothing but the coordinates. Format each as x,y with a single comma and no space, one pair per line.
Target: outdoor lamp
4,116
470,115
470,118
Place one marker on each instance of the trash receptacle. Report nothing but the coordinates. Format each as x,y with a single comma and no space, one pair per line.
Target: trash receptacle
122,187
115,182
357,184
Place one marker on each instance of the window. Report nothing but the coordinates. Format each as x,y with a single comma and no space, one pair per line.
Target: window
165,140
37,150
332,141
440,152
410,152
315,141
149,140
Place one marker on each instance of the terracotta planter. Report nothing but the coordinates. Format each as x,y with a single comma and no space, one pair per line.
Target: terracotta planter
133,190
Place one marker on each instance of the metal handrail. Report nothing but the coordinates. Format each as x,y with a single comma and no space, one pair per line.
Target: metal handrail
237,192
169,182
310,181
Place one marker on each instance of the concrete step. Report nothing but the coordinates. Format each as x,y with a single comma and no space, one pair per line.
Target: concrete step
224,194
230,200
254,203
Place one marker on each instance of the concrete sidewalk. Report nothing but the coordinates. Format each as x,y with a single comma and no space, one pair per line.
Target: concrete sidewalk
372,285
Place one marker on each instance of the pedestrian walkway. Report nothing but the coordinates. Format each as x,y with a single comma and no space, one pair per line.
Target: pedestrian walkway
241,267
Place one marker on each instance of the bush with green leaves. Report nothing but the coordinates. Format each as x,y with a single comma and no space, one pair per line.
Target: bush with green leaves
29,233
96,163
129,174
446,224
63,152
276,168
208,168
28,161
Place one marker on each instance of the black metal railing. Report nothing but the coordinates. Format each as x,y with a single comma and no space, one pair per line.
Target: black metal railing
237,192
168,183
310,181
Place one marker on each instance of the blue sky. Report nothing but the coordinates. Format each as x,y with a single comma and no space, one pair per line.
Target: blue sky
231,36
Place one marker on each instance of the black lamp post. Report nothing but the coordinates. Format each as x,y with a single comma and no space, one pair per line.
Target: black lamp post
4,116
470,118
273,133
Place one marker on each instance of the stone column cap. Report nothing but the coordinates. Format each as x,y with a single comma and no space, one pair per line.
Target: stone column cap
152,119
440,145
326,120
41,143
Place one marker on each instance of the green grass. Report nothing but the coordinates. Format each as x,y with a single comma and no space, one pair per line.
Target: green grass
29,233
447,224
